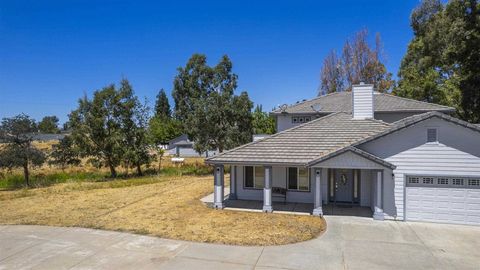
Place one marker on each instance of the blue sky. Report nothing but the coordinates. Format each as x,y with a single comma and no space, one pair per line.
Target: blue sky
52,52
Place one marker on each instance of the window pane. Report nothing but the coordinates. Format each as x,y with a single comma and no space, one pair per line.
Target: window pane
249,176
303,179
259,177
292,178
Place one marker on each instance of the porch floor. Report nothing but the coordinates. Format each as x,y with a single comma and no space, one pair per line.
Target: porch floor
292,208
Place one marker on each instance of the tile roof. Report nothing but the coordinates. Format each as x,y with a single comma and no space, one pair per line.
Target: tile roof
412,120
304,143
342,102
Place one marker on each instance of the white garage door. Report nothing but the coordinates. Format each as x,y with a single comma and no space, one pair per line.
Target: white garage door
443,199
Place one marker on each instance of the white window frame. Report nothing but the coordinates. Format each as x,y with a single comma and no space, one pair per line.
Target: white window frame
298,180
255,186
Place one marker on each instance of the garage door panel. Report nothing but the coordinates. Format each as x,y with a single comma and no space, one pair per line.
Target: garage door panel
441,203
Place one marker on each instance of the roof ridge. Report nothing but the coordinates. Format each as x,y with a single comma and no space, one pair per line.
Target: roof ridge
312,99
275,135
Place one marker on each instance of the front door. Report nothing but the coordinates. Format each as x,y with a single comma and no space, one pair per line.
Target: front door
343,186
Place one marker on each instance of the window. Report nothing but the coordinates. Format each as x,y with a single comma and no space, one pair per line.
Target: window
442,181
427,180
248,177
474,182
294,120
300,119
432,135
307,119
413,180
298,179
457,182
254,177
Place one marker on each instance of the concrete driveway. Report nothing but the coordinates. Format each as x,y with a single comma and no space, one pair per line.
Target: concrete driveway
349,243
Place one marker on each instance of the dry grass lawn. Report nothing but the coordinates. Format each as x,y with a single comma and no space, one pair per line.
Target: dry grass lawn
162,206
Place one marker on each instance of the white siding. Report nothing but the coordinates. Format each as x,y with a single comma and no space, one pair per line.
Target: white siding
362,101
456,154
349,160
284,122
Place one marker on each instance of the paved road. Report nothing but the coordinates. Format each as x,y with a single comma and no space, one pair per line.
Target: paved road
349,243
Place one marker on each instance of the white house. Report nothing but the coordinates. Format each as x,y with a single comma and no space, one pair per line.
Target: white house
404,159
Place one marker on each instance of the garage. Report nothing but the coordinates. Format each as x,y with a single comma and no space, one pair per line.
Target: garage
443,199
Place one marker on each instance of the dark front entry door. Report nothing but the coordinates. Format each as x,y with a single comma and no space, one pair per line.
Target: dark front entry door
343,186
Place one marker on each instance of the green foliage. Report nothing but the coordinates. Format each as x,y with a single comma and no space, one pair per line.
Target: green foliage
162,106
111,128
16,134
49,124
205,103
262,122
442,64
64,153
163,129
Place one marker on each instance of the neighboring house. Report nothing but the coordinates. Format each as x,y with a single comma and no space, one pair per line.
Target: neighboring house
181,146
423,167
45,137
387,108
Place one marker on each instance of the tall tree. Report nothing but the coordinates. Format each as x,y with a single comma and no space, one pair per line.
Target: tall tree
207,107
96,128
49,124
17,135
162,106
262,122
442,61
161,129
133,118
359,62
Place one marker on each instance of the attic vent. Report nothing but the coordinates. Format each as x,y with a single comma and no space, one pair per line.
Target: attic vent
432,135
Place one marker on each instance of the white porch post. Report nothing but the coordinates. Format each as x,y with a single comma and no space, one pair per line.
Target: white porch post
233,183
378,214
218,184
317,211
267,190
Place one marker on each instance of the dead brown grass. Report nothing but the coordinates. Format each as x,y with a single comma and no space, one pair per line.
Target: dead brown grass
167,207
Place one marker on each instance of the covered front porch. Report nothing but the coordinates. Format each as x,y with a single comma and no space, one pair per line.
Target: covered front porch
345,184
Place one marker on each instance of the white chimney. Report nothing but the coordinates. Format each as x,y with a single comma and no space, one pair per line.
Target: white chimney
362,101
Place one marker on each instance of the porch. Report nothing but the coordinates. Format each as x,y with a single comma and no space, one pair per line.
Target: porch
294,208
339,183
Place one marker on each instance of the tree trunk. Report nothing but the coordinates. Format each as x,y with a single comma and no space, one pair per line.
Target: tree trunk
26,173
113,172
159,165
139,169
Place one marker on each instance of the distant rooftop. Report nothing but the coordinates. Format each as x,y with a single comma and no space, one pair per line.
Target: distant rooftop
342,102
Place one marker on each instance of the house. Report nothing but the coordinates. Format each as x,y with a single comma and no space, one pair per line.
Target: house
403,159
181,146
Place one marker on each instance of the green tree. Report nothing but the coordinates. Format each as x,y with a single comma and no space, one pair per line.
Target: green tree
17,135
64,153
442,61
262,122
49,124
162,129
133,118
162,106
97,130
207,107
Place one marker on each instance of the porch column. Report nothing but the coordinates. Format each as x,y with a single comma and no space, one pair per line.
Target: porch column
218,184
317,210
378,214
267,190
233,183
